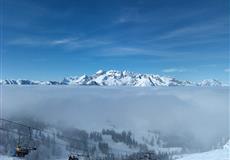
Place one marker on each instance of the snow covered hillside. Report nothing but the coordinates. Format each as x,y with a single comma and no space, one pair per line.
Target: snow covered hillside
8,158
117,78
74,141
218,154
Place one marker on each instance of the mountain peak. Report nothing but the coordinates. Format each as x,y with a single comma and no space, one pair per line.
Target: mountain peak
117,78
100,72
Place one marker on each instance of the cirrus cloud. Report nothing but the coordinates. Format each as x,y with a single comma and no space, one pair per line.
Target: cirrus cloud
227,70
172,70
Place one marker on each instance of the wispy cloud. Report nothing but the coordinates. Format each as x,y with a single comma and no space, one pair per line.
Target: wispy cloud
68,43
218,26
209,65
28,41
127,49
130,18
123,51
227,70
131,14
172,70
63,41
85,43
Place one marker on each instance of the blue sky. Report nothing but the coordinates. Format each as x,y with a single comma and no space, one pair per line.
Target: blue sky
49,39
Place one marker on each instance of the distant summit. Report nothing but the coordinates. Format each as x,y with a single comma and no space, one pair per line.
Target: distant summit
117,78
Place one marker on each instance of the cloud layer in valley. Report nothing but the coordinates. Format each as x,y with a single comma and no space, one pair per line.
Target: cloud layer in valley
202,113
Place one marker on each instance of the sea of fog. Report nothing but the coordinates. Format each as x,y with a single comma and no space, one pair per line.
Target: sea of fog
200,112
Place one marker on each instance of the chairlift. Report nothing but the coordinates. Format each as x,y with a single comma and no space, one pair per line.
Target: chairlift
77,156
73,157
22,151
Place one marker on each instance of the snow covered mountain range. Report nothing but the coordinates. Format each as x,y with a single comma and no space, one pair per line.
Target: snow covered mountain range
116,78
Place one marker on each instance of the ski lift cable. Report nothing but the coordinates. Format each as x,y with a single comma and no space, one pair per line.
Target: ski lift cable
57,143
38,129
15,132
74,149
33,128
52,134
39,139
44,131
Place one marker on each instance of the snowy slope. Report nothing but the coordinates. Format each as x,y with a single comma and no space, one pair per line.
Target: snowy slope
118,147
117,78
8,158
154,142
218,154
